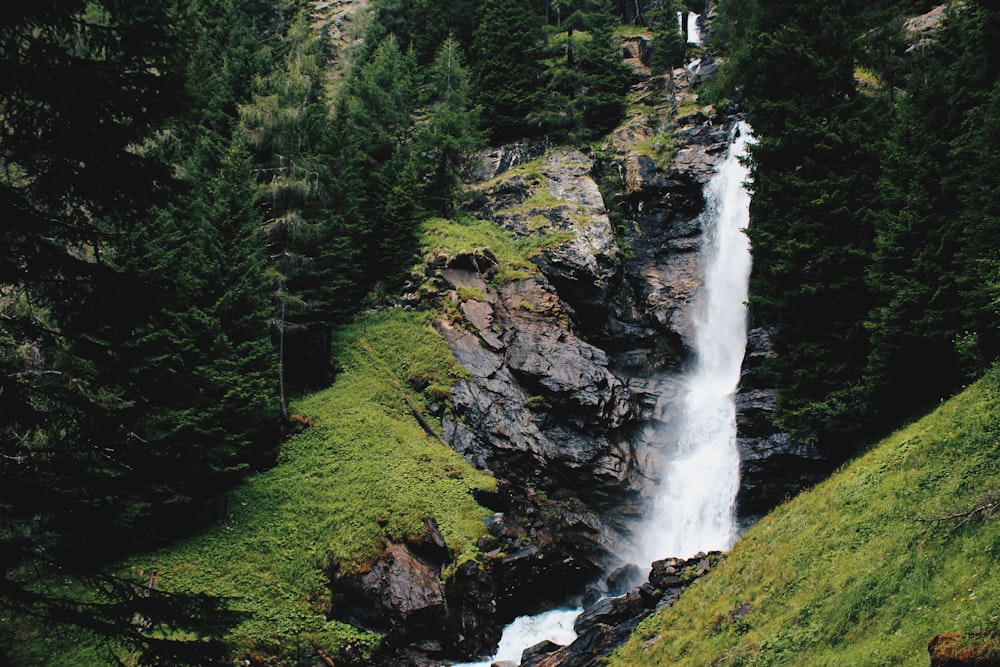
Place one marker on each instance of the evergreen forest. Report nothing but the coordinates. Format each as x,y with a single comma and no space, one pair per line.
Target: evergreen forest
202,200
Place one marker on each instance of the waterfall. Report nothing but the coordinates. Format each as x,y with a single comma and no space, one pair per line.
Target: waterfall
693,30
526,631
694,506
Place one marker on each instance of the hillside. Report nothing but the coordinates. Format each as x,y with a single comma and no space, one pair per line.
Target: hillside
865,568
337,492
344,332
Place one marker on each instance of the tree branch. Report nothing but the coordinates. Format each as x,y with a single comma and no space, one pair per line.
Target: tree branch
982,511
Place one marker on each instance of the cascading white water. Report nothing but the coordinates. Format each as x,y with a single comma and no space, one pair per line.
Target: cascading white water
694,510
694,506
526,631
694,32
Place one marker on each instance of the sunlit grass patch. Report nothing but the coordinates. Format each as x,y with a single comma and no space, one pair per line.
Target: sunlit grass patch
860,570
466,234
364,471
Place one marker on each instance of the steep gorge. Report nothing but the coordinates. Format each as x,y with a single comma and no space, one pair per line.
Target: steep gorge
575,366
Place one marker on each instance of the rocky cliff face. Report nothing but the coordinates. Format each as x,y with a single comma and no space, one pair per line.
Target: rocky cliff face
573,366
573,376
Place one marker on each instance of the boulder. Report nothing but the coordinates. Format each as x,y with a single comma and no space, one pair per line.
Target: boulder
401,593
955,649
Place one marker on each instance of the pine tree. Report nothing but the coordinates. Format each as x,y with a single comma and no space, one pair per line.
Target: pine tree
450,130
507,69
86,87
586,85
813,168
421,26
202,364
668,45
379,127
285,122
935,261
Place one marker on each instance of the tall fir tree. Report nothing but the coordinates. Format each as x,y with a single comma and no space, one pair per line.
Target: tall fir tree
936,253
588,88
814,169
450,131
87,86
379,126
286,122
507,68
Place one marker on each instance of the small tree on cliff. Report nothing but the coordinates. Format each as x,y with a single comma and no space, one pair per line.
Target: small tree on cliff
669,47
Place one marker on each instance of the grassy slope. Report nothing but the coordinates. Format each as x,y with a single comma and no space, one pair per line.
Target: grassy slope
845,574
365,470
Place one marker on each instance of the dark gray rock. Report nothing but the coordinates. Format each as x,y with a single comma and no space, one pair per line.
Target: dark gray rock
494,161
606,624
401,593
773,466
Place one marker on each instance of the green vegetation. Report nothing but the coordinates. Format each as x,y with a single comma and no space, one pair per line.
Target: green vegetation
660,148
451,238
190,215
362,472
857,571
871,208
559,74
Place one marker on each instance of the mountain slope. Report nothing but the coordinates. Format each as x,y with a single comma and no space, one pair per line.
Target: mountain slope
864,569
362,473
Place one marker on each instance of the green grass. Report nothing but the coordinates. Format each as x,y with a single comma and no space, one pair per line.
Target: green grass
629,30
463,235
661,148
363,472
846,574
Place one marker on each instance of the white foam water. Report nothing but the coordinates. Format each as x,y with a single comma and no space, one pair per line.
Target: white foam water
526,631
694,32
694,507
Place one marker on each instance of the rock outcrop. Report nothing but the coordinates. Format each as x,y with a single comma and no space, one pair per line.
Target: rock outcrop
954,649
606,624
773,466
570,365
573,381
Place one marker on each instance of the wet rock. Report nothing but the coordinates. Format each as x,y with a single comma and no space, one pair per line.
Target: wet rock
535,654
702,69
606,624
611,611
773,466
623,578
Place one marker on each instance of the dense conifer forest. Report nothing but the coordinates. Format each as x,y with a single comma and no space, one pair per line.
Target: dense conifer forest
197,194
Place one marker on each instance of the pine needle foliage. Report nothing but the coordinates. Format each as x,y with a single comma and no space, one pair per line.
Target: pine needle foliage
363,472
